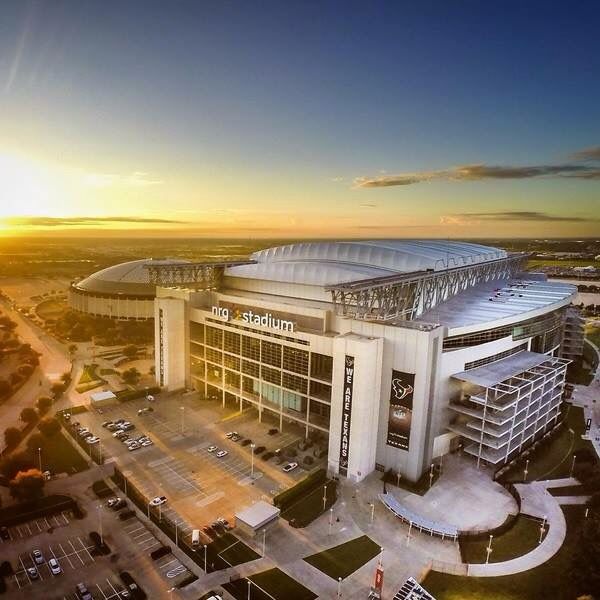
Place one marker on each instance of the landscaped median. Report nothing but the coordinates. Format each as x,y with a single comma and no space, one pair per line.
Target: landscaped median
44,507
273,584
302,503
94,451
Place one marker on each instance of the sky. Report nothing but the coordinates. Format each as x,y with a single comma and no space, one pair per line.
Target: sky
300,119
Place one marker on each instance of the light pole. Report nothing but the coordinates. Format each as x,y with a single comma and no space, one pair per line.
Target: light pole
182,409
205,571
398,478
572,465
372,505
408,536
40,458
252,446
339,592
100,523
526,470
431,476
488,550
249,585
324,497
330,519
542,529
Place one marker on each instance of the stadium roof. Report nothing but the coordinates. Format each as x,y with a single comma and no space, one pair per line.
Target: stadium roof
330,263
128,278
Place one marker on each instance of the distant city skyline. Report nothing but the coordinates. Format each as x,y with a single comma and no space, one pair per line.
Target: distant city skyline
300,120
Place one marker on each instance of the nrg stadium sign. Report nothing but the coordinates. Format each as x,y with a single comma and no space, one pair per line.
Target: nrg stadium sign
252,318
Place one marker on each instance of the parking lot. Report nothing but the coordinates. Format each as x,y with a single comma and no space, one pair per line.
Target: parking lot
38,526
104,590
179,465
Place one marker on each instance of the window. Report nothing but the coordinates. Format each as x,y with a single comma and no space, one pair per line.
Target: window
271,375
232,342
251,368
293,382
197,332
231,362
319,413
214,356
271,353
251,348
196,349
197,367
321,366
213,374
320,390
295,360
214,337
232,379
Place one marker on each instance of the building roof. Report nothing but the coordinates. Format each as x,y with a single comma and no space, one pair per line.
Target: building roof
128,278
498,301
257,515
100,396
330,263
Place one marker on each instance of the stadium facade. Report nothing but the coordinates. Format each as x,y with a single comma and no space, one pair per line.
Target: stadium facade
398,351
122,292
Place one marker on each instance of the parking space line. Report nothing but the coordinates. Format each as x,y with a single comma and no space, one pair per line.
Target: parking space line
86,549
65,555
76,553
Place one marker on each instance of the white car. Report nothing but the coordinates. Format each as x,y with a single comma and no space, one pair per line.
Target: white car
113,501
230,434
290,467
32,573
84,432
222,453
54,567
146,443
92,440
158,501
211,448
134,446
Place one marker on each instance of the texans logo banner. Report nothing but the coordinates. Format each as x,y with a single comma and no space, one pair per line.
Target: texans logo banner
401,407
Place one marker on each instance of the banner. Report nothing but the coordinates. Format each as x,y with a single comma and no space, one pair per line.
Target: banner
401,406
346,412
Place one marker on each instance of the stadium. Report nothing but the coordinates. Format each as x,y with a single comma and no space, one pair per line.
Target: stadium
398,351
122,292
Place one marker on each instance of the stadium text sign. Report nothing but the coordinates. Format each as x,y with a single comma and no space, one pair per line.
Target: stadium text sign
252,318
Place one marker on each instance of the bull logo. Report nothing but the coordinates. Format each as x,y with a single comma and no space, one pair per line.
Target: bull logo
400,389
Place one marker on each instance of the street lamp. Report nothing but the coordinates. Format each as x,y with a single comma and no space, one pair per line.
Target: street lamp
40,458
372,505
249,585
526,470
408,536
182,409
431,476
205,571
324,497
252,446
330,519
488,550
339,592
572,465
542,529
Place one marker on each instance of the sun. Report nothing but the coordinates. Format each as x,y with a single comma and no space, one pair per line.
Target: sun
26,188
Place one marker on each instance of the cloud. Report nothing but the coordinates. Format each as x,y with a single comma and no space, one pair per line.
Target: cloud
78,221
368,205
135,179
516,215
588,154
482,172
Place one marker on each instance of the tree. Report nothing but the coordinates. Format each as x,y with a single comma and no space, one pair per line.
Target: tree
12,436
35,441
57,389
49,426
27,485
13,463
25,370
43,404
131,375
5,388
28,415
73,348
585,566
130,350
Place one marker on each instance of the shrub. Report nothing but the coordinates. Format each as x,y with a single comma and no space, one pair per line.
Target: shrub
28,415
49,426
5,388
43,404
6,569
12,437
27,485
25,370
13,463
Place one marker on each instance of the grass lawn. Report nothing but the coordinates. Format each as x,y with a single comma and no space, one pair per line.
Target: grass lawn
269,585
343,560
553,460
568,490
306,509
550,580
59,456
231,550
420,487
521,538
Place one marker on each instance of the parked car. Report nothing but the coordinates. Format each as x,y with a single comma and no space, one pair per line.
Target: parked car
119,505
32,573
119,421
82,592
209,532
112,427
290,467
107,423
215,597
246,442
85,432
38,557
119,434
158,500
212,448
236,437
230,434
259,449
134,446
273,431
147,443
222,453
267,455
54,567
113,501
92,439
4,533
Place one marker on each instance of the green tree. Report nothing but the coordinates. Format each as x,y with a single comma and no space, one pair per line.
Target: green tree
27,485
13,463
43,404
130,350
12,437
35,441
57,389
49,426
131,375
28,415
